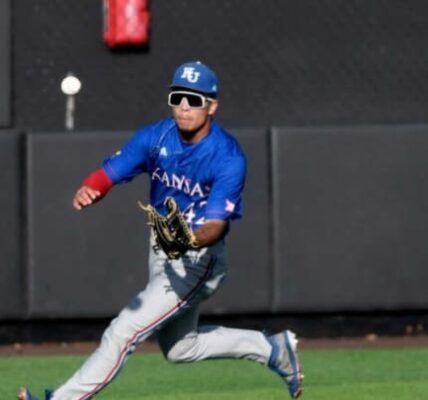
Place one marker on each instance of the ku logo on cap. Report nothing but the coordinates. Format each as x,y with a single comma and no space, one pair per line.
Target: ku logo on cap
190,74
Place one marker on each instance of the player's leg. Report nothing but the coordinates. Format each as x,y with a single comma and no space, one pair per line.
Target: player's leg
181,340
170,291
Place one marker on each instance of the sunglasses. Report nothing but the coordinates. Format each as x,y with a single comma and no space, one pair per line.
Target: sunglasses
195,100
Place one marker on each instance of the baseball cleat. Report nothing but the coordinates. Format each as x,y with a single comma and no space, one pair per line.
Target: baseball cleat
25,394
285,362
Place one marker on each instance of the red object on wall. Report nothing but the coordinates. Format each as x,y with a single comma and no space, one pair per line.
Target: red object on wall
126,22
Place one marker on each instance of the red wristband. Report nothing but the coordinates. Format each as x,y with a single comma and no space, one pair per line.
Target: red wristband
98,180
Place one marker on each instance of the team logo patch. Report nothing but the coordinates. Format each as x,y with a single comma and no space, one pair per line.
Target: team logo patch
190,74
230,207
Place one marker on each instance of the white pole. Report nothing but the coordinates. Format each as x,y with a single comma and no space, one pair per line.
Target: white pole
69,112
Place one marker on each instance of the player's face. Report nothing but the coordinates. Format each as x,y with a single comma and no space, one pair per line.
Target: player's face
192,116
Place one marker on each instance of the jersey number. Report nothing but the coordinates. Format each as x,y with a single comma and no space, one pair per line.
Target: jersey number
189,214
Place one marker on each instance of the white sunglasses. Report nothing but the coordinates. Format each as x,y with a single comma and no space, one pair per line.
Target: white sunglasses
195,100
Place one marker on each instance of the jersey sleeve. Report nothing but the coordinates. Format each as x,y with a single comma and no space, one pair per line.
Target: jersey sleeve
132,159
224,200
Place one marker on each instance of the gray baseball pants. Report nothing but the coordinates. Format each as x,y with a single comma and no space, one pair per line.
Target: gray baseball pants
169,306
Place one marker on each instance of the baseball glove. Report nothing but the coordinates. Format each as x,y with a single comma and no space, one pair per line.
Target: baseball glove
171,232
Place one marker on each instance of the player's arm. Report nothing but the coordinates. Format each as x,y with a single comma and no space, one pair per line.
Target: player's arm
121,167
211,232
223,202
94,187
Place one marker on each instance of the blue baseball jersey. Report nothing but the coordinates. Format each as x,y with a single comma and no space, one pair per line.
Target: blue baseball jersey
206,178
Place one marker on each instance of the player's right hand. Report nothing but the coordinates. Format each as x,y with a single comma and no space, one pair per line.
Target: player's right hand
84,197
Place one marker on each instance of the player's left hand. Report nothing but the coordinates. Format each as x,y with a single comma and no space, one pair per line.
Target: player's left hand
171,233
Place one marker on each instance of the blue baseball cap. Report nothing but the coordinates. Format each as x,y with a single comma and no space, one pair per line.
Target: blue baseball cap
196,76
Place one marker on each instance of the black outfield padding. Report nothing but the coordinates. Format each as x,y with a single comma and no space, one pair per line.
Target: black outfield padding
336,219
85,263
12,243
352,218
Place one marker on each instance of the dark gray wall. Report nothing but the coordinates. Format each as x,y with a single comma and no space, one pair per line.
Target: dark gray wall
351,207
336,220
5,63
281,63
86,263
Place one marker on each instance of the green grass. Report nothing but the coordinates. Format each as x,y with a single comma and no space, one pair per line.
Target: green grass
379,374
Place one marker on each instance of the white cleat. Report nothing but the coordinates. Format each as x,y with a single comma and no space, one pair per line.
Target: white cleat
285,362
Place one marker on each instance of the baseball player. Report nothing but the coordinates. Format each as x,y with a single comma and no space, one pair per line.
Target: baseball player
196,167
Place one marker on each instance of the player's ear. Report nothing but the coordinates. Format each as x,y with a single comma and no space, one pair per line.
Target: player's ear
212,107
